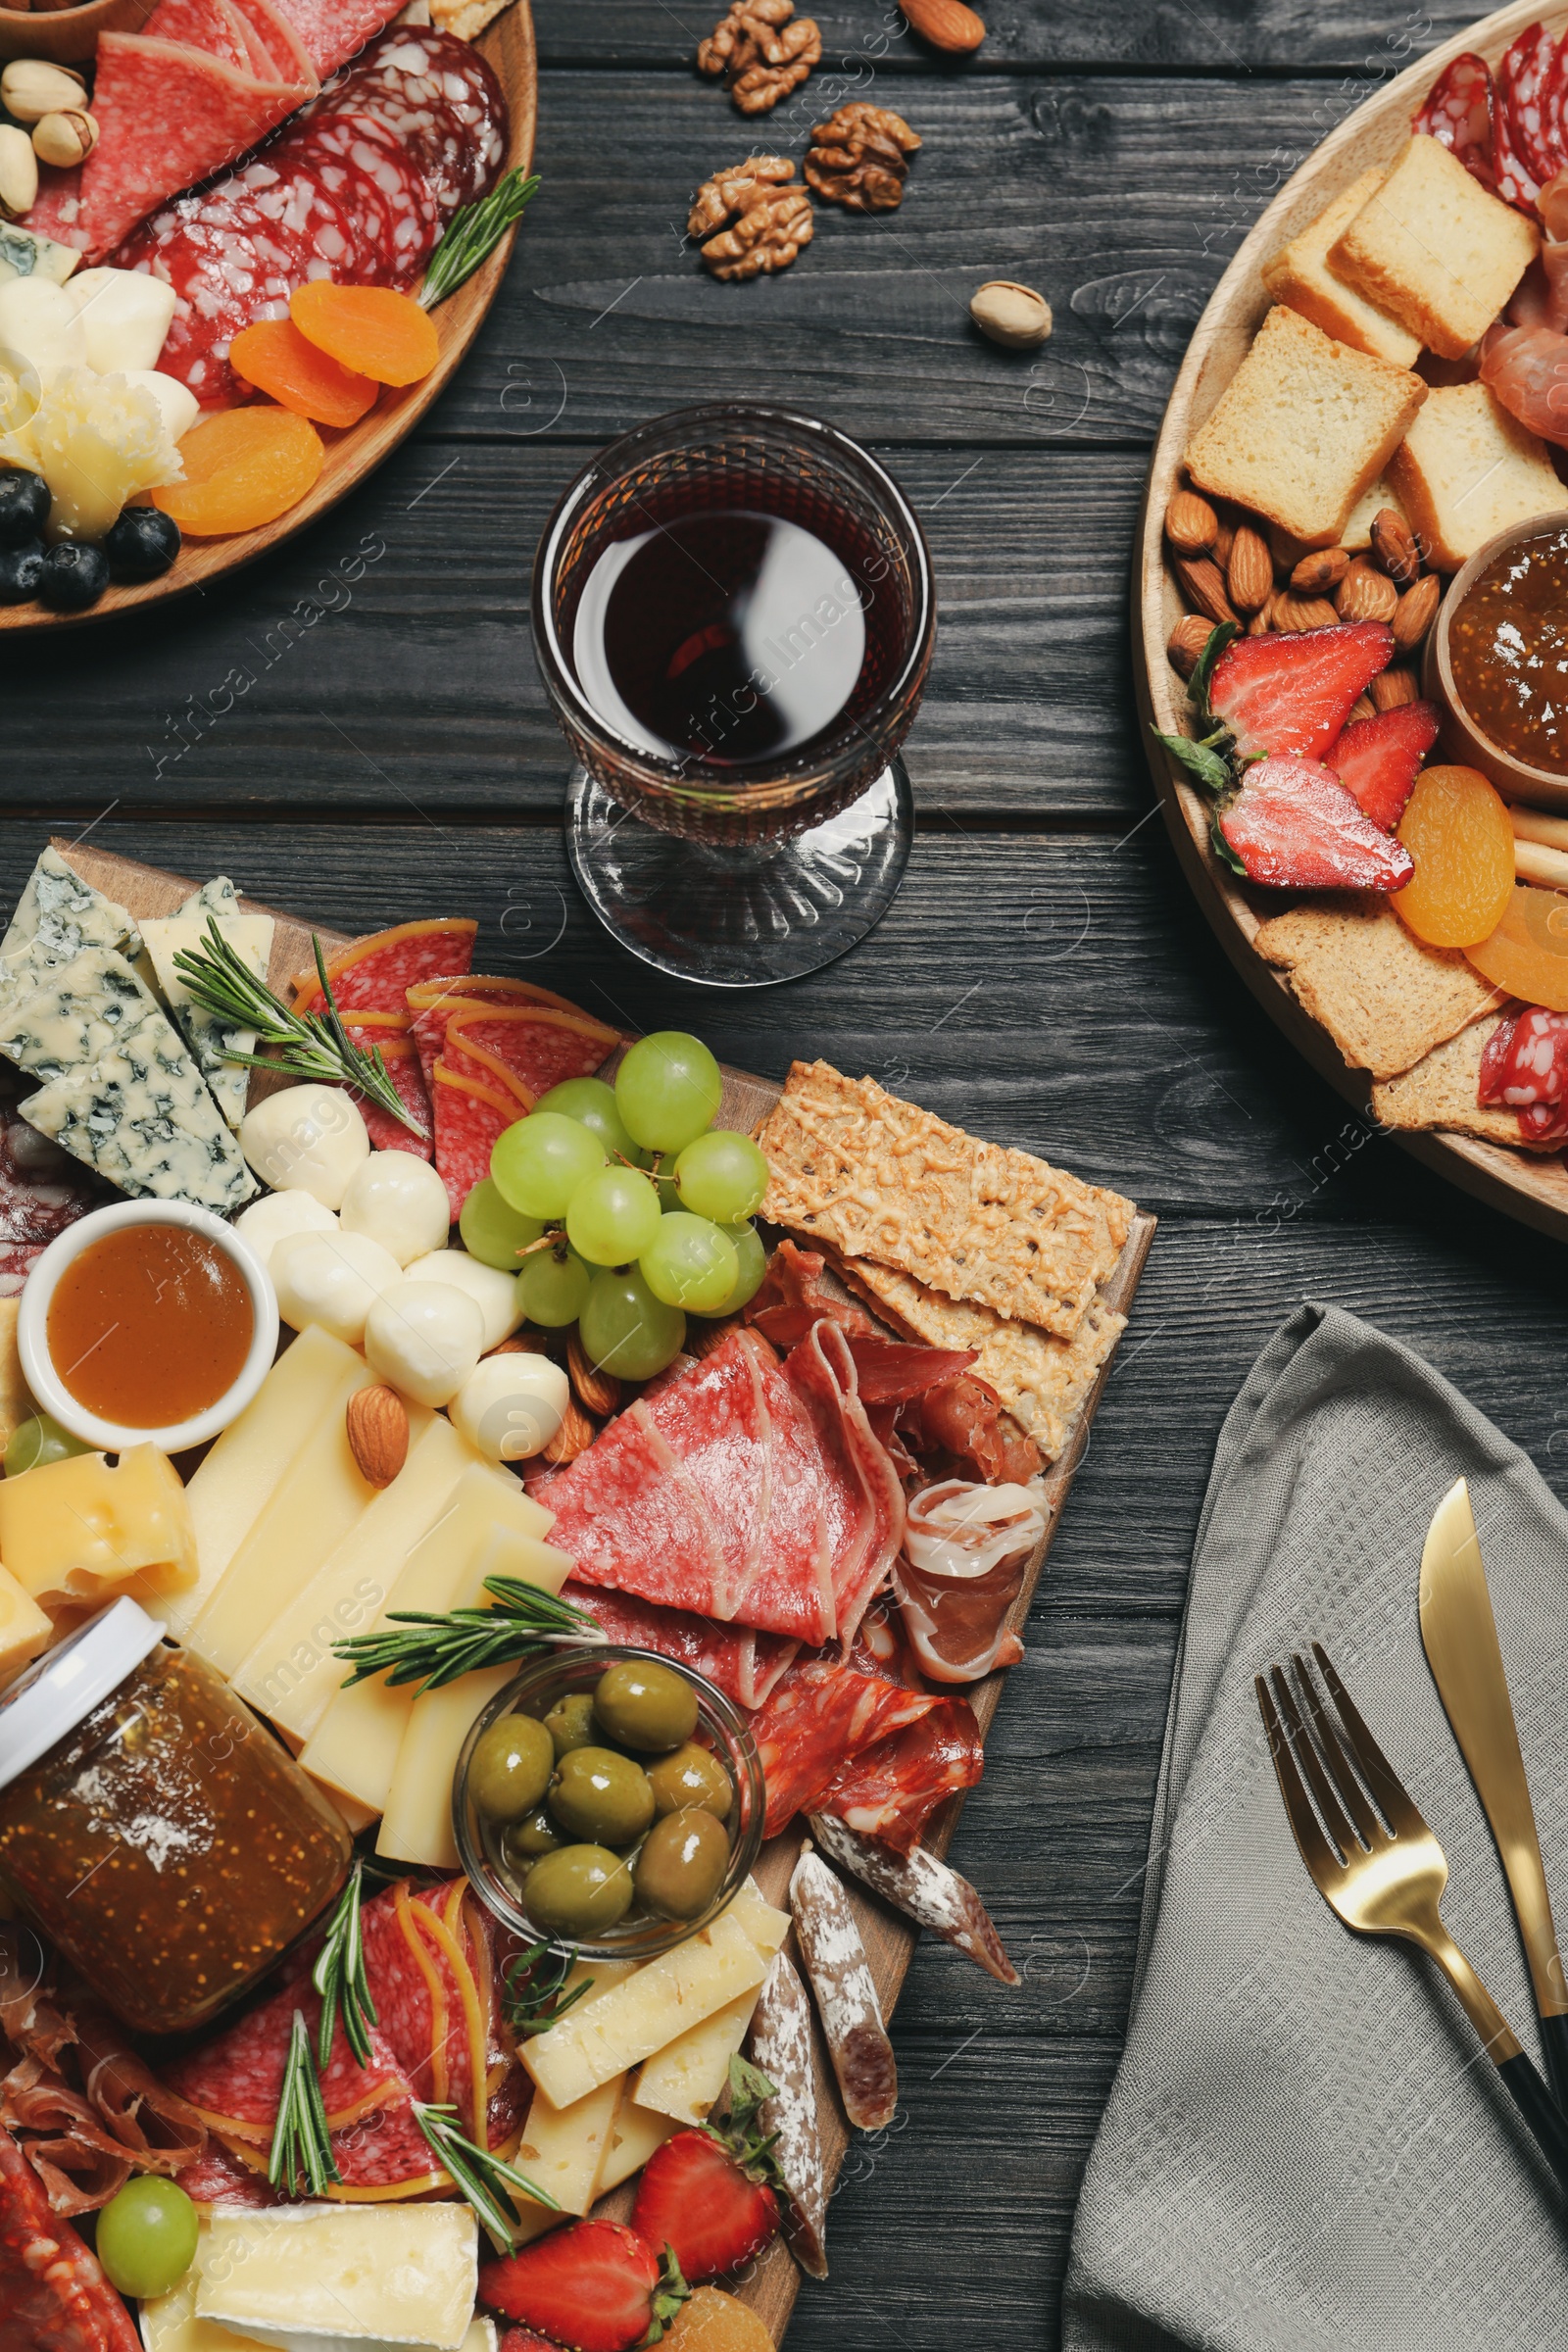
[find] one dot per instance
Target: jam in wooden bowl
(1498, 661)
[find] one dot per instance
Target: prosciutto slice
(53, 2295)
(1527, 367)
(744, 1664)
(864, 1483)
(965, 1550)
(82, 2165)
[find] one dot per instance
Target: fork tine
(1321, 1860)
(1400, 1809)
(1335, 1745)
(1308, 1761)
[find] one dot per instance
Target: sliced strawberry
(1292, 825)
(1294, 693)
(697, 2199)
(523, 2339)
(1377, 760)
(595, 2288)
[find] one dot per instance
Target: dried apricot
(1456, 828)
(243, 468)
(713, 2322)
(373, 329)
(1527, 953)
(275, 357)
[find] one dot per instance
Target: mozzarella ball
(39, 320)
(125, 314)
(176, 403)
(511, 1406)
(494, 1293)
(333, 1279)
(399, 1202)
(278, 1215)
(423, 1339)
(306, 1138)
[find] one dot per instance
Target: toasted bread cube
(1468, 470)
(1304, 426)
(1299, 276)
(1433, 248)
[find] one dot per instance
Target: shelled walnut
(747, 221)
(860, 157)
(765, 51)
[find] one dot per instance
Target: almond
(1365, 594)
(1363, 707)
(599, 1392)
(1394, 546)
(1395, 686)
(1303, 612)
(1321, 571)
(575, 1436)
(1262, 619)
(1250, 573)
(702, 1337)
(1221, 549)
(1204, 587)
(377, 1424)
(1416, 611)
(946, 25)
(1186, 641)
(1191, 524)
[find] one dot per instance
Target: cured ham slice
(793, 1295)
(744, 1664)
(819, 1716)
(965, 1550)
(53, 2295)
(863, 1481)
(1527, 367)
(80, 2164)
(889, 1792)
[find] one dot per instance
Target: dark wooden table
(356, 729)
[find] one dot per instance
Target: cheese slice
(481, 2337)
(685, 2077)
(371, 2274)
(142, 1116)
(416, 1825)
(765, 1927)
(212, 1037)
(168, 2324)
(634, 2136)
(64, 915)
(290, 1672)
(665, 1999)
(25, 1629)
(564, 2148)
(83, 1530)
(355, 1746)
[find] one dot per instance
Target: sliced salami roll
(1528, 72)
(1459, 114)
(439, 97)
(781, 2047)
(1516, 183)
(927, 1889)
(394, 203)
(846, 1998)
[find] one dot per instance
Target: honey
(150, 1324)
(1508, 649)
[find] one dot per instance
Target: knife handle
(1554, 2047)
(1548, 2126)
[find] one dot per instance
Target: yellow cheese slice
(168, 2324)
(25, 1629)
(666, 1998)
(633, 2136)
(765, 1927)
(289, 1672)
(685, 2077)
(416, 1825)
(82, 1531)
(564, 2148)
(311, 1382)
(385, 2274)
(355, 1746)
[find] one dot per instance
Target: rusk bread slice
(1433, 248)
(1303, 427)
(1467, 469)
(1441, 1092)
(852, 1166)
(1356, 535)
(1299, 276)
(1384, 997)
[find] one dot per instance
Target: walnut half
(747, 221)
(762, 53)
(860, 158)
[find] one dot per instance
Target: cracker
(1441, 1092)
(1384, 997)
(871, 1176)
(468, 18)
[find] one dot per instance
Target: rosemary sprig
(339, 1977)
(479, 2173)
(534, 1990)
(312, 1047)
(472, 235)
(301, 2149)
(437, 1650)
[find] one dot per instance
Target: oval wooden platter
(1535, 1191)
(351, 455)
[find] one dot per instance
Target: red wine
(735, 637)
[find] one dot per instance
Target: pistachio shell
(65, 139)
(30, 88)
(1011, 315)
(18, 172)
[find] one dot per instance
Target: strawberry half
(1293, 694)
(523, 2339)
(1294, 825)
(595, 2288)
(1378, 760)
(698, 2200)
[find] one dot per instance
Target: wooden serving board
(1533, 1188)
(353, 453)
(890, 1937)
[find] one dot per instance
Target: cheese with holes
(87, 1530)
(684, 2080)
(211, 1039)
(143, 1117)
(372, 2274)
(290, 1673)
(25, 1629)
(666, 1998)
(634, 2136)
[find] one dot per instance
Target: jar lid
(64, 1686)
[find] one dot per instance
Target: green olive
(601, 1795)
(509, 1769)
(651, 1708)
(682, 1864)
(529, 1839)
(570, 1722)
(578, 1891)
(692, 1776)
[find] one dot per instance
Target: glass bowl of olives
(609, 1800)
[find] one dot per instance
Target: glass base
(742, 917)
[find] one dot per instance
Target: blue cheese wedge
(212, 1039)
(142, 1115)
(77, 1012)
(25, 252)
(59, 915)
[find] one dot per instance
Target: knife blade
(1459, 1634)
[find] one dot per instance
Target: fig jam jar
(151, 1826)
(1508, 650)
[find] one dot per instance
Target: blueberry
(24, 507)
(143, 544)
(20, 569)
(73, 575)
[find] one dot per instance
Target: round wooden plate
(1533, 1189)
(352, 454)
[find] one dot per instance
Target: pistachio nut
(1010, 314)
(65, 138)
(30, 87)
(18, 172)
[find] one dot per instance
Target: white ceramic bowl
(49, 1391)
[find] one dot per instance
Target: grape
(625, 1330)
(592, 1103)
(39, 1438)
(147, 2237)
(613, 1217)
(752, 1260)
(691, 1263)
(553, 1287)
(722, 1176)
(539, 1163)
(492, 1232)
(667, 1089)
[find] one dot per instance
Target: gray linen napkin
(1304, 2147)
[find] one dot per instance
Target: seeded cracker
(1441, 1092)
(1384, 997)
(877, 1177)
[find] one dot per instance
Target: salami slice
(1458, 113)
(211, 26)
(41, 1192)
(890, 1790)
(331, 30)
(781, 2047)
(821, 1715)
(922, 1887)
(1516, 184)
(376, 973)
(218, 2180)
(1533, 1067)
(745, 1665)
(529, 1048)
(53, 2295)
(1527, 77)
(467, 1117)
(378, 1032)
(394, 205)
(434, 1003)
(439, 98)
(835, 1961)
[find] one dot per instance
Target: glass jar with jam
(152, 1826)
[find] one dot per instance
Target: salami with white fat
(927, 1889)
(780, 2046)
(846, 1998)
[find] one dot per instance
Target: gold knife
(1460, 1636)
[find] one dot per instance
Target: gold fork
(1377, 1865)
